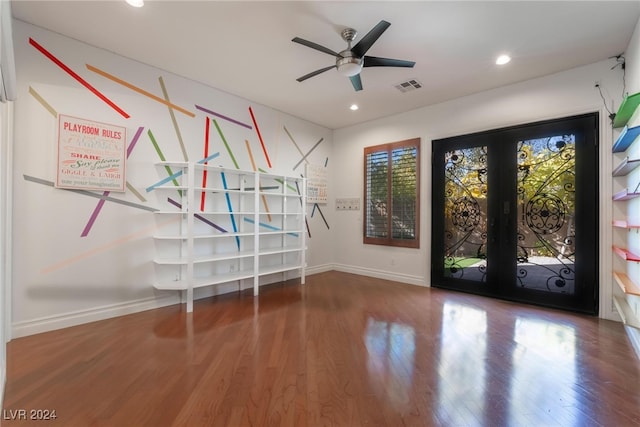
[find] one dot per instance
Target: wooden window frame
(389, 240)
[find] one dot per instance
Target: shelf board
(626, 166)
(628, 317)
(174, 164)
(622, 223)
(280, 268)
(247, 213)
(627, 286)
(625, 139)
(218, 279)
(624, 195)
(174, 285)
(626, 110)
(222, 256)
(625, 254)
(292, 195)
(229, 234)
(205, 258)
(170, 212)
(171, 187)
(276, 251)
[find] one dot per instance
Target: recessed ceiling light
(353, 107)
(135, 3)
(503, 59)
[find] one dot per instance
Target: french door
(515, 213)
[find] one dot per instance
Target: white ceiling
(244, 48)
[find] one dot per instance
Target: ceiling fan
(350, 61)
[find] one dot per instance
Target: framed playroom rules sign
(91, 155)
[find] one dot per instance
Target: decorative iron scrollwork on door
(465, 228)
(546, 207)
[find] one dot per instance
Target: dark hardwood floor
(342, 350)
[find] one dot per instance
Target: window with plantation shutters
(391, 194)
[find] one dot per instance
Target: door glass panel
(546, 212)
(465, 222)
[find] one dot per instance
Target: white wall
(6, 129)
(562, 94)
(5, 239)
(632, 55)
(61, 278)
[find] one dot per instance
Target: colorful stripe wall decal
(135, 192)
(268, 226)
(233, 220)
(281, 181)
(44, 103)
(198, 216)
(322, 215)
(98, 208)
(165, 94)
(308, 152)
(295, 144)
(114, 243)
(138, 90)
(264, 149)
(229, 119)
(224, 140)
(253, 165)
(79, 79)
(178, 174)
(206, 154)
(162, 158)
(90, 194)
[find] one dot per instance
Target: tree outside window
(391, 194)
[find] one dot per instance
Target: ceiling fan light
(349, 66)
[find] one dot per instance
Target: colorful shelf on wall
(625, 254)
(626, 110)
(624, 195)
(622, 223)
(626, 138)
(626, 166)
(627, 286)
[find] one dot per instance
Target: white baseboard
(46, 324)
(320, 269)
(381, 274)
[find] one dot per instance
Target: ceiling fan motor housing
(348, 64)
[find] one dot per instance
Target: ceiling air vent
(408, 86)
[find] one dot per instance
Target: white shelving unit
(231, 226)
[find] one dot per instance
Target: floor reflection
(461, 365)
(391, 351)
(487, 378)
(543, 372)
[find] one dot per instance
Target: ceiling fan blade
(372, 61)
(356, 82)
(367, 41)
(315, 46)
(315, 73)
